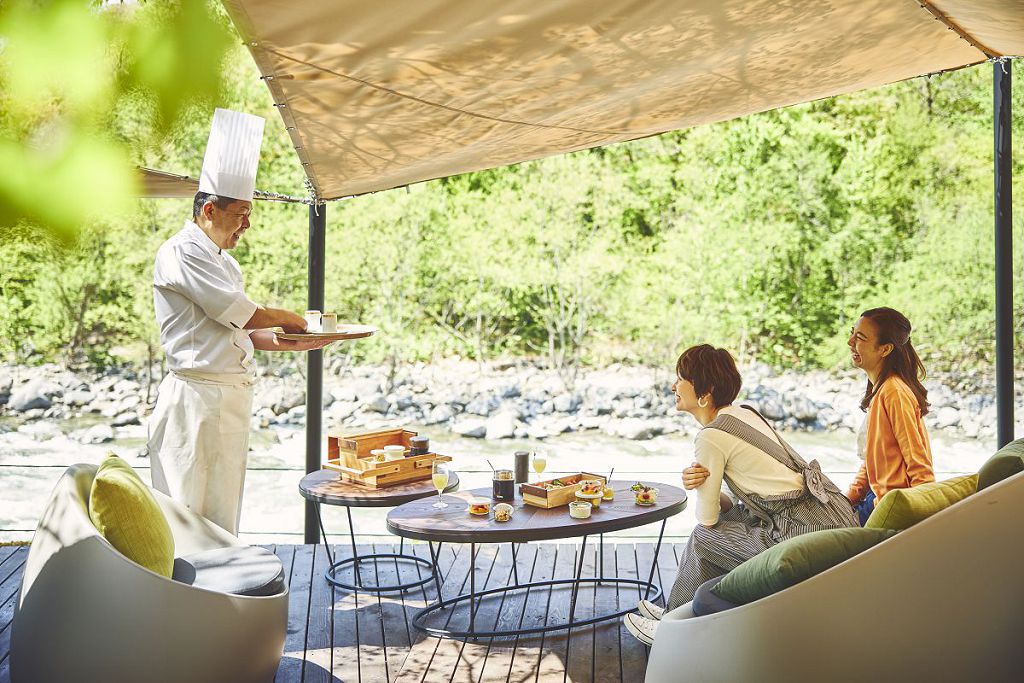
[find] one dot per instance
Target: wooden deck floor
(335, 635)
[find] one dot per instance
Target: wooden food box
(535, 494)
(350, 455)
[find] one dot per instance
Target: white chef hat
(232, 155)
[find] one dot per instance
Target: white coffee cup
(329, 322)
(313, 321)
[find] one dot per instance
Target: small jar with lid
(419, 445)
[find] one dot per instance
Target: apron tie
(814, 481)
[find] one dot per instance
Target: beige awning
(164, 185)
(377, 95)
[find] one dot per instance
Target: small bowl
(394, 452)
(378, 455)
(579, 509)
(479, 506)
(503, 512)
(593, 498)
(648, 497)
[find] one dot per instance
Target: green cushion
(795, 560)
(1009, 460)
(124, 510)
(903, 508)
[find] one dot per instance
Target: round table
(454, 524)
(325, 487)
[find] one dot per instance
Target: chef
(209, 328)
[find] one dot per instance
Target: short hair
(203, 197)
(711, 371)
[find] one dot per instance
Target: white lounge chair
(88, 614)
(940, 601)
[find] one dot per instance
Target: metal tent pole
(1002, 124)
(315, 360)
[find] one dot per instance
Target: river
(273, 510)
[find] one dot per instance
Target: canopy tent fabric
(163, 185)
(380, 95)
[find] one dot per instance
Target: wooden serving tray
(349, 454)
(344, 332)
(534, 494)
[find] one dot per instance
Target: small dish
(379, 455)
(480, 506)
(579, 509)
(394, 452)
(503, 512)
(593, 498)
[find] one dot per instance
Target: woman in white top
(780, 495)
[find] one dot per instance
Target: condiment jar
(579, 509)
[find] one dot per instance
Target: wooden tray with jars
(350, 455)
(556, 492)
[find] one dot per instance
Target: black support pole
(315, 360)
(1004, 253)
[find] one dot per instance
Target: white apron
(199, 442)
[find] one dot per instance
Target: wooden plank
(373, 653)
(474, 652)
(554, 647)
(420, 665)
(526, 656)
(580, 641)
(607, 668)
(395, 637)
(501, 651)
(448, 663)
(318, 665)
(417, 662)
(345, 634)
(9, 588)
(632, 653)
(300, 561)
(7, 551)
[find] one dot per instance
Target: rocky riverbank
(501, 400)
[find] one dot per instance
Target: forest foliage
(767, 234)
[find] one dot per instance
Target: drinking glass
(540, 462)
(439, 475)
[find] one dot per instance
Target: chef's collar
(203, 238)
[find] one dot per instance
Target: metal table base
(330, 575)
(473, 597)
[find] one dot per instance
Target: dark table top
(454, 524)
(327, 487)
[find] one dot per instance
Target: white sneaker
(641, 628)
(649, 610)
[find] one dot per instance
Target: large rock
(97, 434)
(471, 427)
(483, 405)
(634, 428)
(947, 416)
(378, 404)
(439, 414)
(280, 398)
(79, 397)
(129, 417)
(33, 395)
(501, 425)
(566, 403)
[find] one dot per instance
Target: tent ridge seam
(438, 105)
(247, 32)
(974, 42)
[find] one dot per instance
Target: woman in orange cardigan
(893, 442)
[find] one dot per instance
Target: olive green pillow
(124, 510)
(795, 560)
(1008, 461)
(903, 508)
